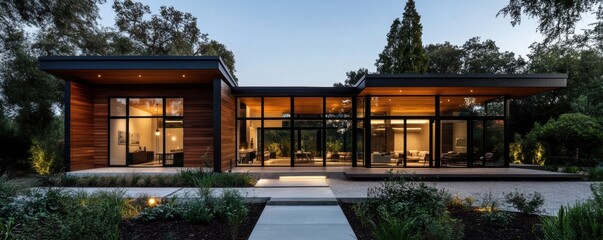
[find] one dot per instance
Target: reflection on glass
(402, 106)
(417, 143)
(339, 107)
(249, 136)
(117, 142)
(387, 142)
(277, 139)
(174, 106)
(146, 107)
(308, 107)
(250, 107)
(471, 106)
(339, 142)
(478, 143)
(118, 107)
(278, 107)
(494, 148)
(360, 107)
(453, 143)
(308, 147)
(360, 143)
(174, 144)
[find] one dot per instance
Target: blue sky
(314, 42)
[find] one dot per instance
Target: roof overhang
(137, 69)
(294, 91)
(512, 85)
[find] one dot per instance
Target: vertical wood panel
(227, 124)
(81, 124)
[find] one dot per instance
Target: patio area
(360, 173)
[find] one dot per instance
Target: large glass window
(277, 139)
(418, 150)
(360, 104)
(250, 142)
(339, 142)
(250, 107)
(145, 136)
(494, 144)
(308, 107)
(146, 107)
(453, 145)
(277, 107)
(471, 106)
(339, 107)
(402, 106)
(360, 142)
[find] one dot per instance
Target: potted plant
(334, 147)
(274, 149)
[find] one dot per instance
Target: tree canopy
(404, 52)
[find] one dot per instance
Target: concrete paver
(302, 222)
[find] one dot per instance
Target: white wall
(117, 156)
(459, 130)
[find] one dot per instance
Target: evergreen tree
(404, 52)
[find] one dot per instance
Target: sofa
(382, 157)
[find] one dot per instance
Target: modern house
(189, 111)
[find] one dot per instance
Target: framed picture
(461, 142)
(134, 138)
(121, 138)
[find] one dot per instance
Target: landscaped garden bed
(521, 226)
(56, 213)
(181, 229)
(184, 178)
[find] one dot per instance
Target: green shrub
(232, 208)
(47, 150)
(394, 228)
(491, 213)
(529, 204)
(458, 202)
(197, 211)
(572, 169)
(595, 174)
(164, 211)
(409, 200)
(580, 221)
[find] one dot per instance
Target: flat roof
(137, 69)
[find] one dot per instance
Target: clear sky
(314, 42)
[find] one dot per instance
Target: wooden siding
(198, 115)
(227, 136)
(80, 130)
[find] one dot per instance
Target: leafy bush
(202, 178)
(47, 150)
(403, 200)
(491, 212)
(458, 202)
(232, 208)
(595, 174)
(529, 204)
(394, 228)
(199, 210)
(580, 221)
(165, 211)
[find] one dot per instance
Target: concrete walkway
(299, 213)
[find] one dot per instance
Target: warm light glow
(448, 100)
(183, 75)
(173, 121)
(157, 132)
(99, 75)
(173, 138)
(416, 121)
(139, 75)
(471, 90)
(152, 202)
(301, 177)
(399, 90)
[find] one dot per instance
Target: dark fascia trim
(137, 63)
(294, 91)
(462, 80)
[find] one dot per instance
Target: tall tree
(352, 77)
(404, 52)
(444, 58)
(485, 57)
(171, 32)
(556, 18)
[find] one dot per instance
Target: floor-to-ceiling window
(146, 132)
(401, 131)
(472, 131)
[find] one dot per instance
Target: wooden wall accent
(227, 136)
(198, 115)
(81, 136)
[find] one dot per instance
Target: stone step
(302, 201)
(293, 181)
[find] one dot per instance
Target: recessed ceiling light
(440, 101)
(399, 90)
(98, 75)
(183, 75)
(448, 100)
(471, 90)
(139, 75)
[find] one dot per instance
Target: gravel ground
(555, 193)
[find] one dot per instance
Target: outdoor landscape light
(152, 202)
